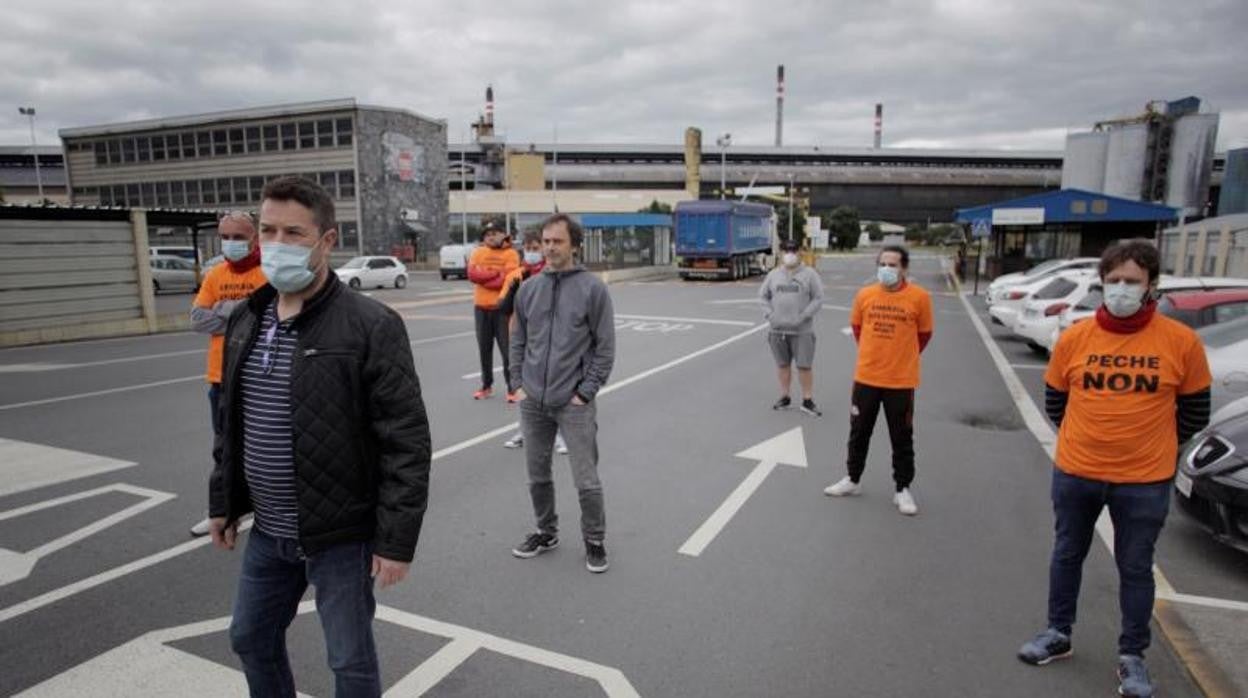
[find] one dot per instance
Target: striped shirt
(268, 437)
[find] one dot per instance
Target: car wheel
(400, 281)
(443, 275)
(354, 283)
(1037, 348)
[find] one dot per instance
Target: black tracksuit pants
(491, 330)
(899, 413)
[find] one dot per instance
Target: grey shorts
(792, 348)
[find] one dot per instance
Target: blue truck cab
(722, 238)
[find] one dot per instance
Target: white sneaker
(905, 503)
(516, 441)
(844, 487)
(201, 528)
(561, 447)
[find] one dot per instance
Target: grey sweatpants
(579, 426)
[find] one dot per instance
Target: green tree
(656, 206)
(914, 233)
(843, 228)
(782, 221)
(874, 230)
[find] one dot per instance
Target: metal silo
(1083, 164)
(1191, 162)
(1125, 160)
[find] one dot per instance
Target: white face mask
(789, 259)
(1123, 299)
(889, 276)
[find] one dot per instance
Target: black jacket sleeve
(507, 304)
(400, 427)
(1192, 413)
(1055, 404)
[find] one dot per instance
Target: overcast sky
(951, 73)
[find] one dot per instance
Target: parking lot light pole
(723, 142)
(34, 147)
(790, 206)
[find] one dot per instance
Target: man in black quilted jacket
(326, 440)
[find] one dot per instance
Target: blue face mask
(532, 258)
(1123, 299)
(235, 250)
(889, 276)
(286, 266)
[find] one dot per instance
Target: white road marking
(836, 307)
(788, 448)
(847, 331)
(431, 340)
(737, 301)
(149, 665)
(444, 292)
(26, 368)
(694, 320)
(94, 393)
(1043, 433)
(27, 466)
(470, 376)
(117, 572)
(1030, 367)
(15, 566)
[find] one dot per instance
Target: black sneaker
(535, 544)
(596, 557)
(782, 404)
(808, 406)
(1043, 648)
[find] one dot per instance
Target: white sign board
(819, 240)
(1018, 216)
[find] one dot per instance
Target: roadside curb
(1187, 647)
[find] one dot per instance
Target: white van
(453, 260)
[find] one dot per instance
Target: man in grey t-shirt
(792, 295)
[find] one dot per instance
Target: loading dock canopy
(1066, 206)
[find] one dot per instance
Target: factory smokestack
(879, 123)
(780, 105)
(489, 105)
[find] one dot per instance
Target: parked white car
(453, 260)
(171, 273)
(1037, 321)
(999, 286)
(373, 272)
(1226, 346)
(1086, 306)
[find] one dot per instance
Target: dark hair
(1141, 252)
(575, 231)
(532, 235)
(306, 192)
(492, 225)
(905, 254)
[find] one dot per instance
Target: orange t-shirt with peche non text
(888, 346)
(1120, 424)
(224, 284)
(504, 260)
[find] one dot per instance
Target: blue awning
(1075, 206)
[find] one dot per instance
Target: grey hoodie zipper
(550, 338)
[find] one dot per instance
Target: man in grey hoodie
(792, 295)
(562, 351)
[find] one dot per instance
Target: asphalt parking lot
(106, 447)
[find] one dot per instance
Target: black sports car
(1212, 480)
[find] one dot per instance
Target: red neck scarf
(1126, 325)
(532, 269)
(251, 261)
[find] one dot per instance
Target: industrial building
(385, 167)
(21, 182)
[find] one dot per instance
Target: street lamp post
(723, 142)
(34, 147)
(790, 206)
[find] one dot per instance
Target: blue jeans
(214, 403)
(1138, 512)
(274, 576)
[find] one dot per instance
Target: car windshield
(1224, 333)
(1043, 267)
(1057, 288)
(355, 263)
(1092, 301)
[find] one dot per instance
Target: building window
(132, 195)
(325, 134)
(240, 191)
(346, 184)
(127, 150)
(236, 142)
(188, 145)
(344, 132)
(220, 146)
(101, 152)
(162, 194)
(1100, 206)
(307, 134)
(148, 196)
(257, 186)
(328, 182)
(208, 192)
(177, 193)
(192, 193)
(1078, 206)
(349, 235)
(253, 139)
(203, 144)
(143, 146)
(270, 138)
(158, 147)
(106, 196)
(224, 197)
(114, 152)
(288, 137)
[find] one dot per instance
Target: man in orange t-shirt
(223, 288)
(892, 323)
(1125, 389)
(488, 268)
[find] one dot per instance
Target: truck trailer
(722, 239)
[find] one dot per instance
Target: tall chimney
(489, 105)
(780, 105)
(879, 123)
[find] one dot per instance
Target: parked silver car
(171, 273)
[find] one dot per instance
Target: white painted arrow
(788, 448)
